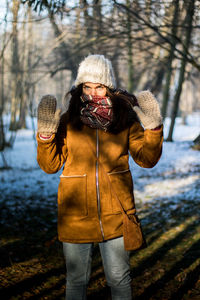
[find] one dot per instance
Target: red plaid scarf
(96, 111)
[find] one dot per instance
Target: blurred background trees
(152, 44)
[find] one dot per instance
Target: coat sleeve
(145, 146)
(52, 153)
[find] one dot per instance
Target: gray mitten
(148, 111)
(48, 116)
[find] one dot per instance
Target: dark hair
(123, 114)
(74, 106)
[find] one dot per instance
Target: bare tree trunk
(78, 23)
(64, 47)
(115, 63)
(2, 96)
(188, 24)
(87, 18)
(23, 75)
(15, 67)
(97, 17)
(170, 59)
(130, 50)
(196, 145)
(158, 80)
(97, 24)
(29, 86)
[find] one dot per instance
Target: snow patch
(176, 176)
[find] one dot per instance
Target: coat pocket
(72, 195)
(121, 185)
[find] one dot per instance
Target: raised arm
(145, 144)
(51, 136)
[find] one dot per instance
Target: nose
(93, 92)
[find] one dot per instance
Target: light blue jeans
(116, 267)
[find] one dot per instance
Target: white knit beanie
(96, 69)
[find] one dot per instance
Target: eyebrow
(85, 85)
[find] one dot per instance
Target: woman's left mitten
(148, 110)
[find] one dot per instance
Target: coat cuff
(157, 128)
(44, 138)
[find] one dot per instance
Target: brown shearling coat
(87, 208)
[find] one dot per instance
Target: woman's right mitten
(48, 117)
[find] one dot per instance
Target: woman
(93, 140)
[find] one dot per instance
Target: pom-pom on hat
(96, 69)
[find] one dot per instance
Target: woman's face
(94, 89)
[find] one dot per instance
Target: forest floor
(167, 201)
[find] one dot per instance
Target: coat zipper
(97, 184)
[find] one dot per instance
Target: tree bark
(97, 25)
(15, 66)
(64, 47)
(23, 75)
(87, 19)
(130, 50)
(97, 16)
(196, 145)
(2, 95)
(188, 23)
(170, 60)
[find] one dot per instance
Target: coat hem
(78, 241)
